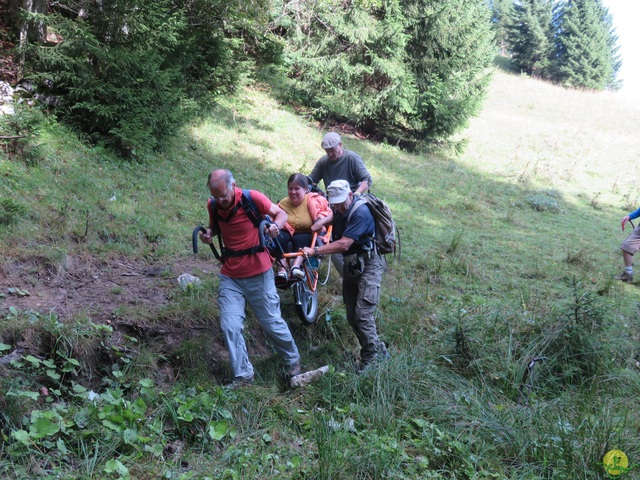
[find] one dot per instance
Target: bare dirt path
(82, 286)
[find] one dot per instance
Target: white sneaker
(297, 272)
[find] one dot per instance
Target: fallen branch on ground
(307, 377)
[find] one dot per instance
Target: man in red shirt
(247, 277)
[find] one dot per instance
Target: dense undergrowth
(513, 350)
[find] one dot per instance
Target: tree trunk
(35, 30)
(27, 30)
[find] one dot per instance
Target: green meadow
(514, 350)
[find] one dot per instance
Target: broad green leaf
(156, 450)
(130, 436)
(187, 417)
(42, 427)
(49, 363)
(22, 436)
(24, 393)
(112, 425)
(70, 365)
(146, 382)
(217, 430)
(62, 448)
(116, 466)
(77, 388)
(32, 360)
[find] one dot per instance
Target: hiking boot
(625, 276)
(294, 369)
(374, 360)
(240, 382)
(366, 365)
(383, 354)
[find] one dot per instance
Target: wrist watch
(357, 194)
(315, 251)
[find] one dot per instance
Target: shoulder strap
(213, 214)
(358, 202)
(250, 208)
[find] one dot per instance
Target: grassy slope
(491, 242)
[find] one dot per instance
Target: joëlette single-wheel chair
(305, 290)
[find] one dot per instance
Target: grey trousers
(361, 296)
(260, 292)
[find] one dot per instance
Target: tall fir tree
(502, 12)
(348, 61)
(586, 46)
(404, 68)
(450, 51)
(530, 36)
(130, 72)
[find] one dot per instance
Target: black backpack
(385, 233)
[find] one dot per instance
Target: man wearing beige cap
(340, 164)
(363, 268)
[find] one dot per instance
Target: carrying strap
(357, 203)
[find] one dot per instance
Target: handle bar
(299, 253)
(194, 242)
(267, 242)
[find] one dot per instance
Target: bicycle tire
(306, 302)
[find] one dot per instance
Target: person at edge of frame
(629, 247)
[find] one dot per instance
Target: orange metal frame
(311, 273)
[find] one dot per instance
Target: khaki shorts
(632, 243)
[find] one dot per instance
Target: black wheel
(306, 302)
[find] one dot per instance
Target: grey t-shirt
(349, 167)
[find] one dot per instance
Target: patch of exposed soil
(82, 286)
